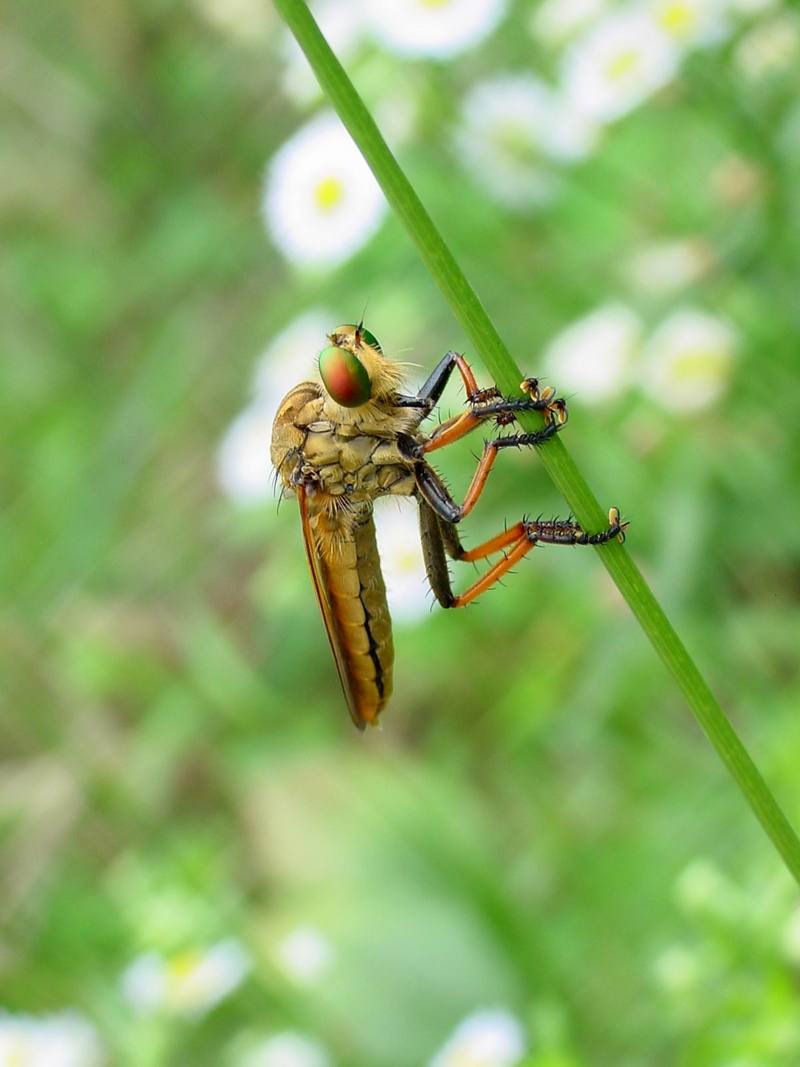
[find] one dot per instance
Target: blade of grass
(469, 311)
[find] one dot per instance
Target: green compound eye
(344, 377)
(371, 340)
(366, 336)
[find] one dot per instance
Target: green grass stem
(473, 318)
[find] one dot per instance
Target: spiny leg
(484, 403)
(488, 403)
(433, 488)
(518, 540)
(431, 391)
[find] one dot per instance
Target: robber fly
(341, 444)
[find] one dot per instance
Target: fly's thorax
(379, 416)
(341, 452)
(301, 406)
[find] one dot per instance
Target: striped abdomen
(359, 626)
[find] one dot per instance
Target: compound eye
(371, 340)
(344, 376)
(350, 330)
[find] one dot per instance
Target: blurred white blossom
(488, 1038)
(555, 21)
(291, 357)
(189, 983)
(702, 888)
(321, 202)
(617, 64)
(246, 20)
(687, 362)
(304, 954)
(244, 470)
(407, 590)
(287, 1049)
(593, 357)
(511, 127)
(62, 1040)
(770, 47)
(666, 266)
(438, 28)
(691, 22)
(342, 24)
(677, 970)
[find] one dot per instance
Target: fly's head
(355, 371)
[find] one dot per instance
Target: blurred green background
(538, 859)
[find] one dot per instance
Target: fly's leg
(483, 403)
(515, 543)
(431, 391)
(431, 485)
(489, 403)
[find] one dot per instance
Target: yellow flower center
(434, 3)
(699, 365)
(328, 193)
(406, 562)
(623, 64)
(182, 965)
(464, 1057)
(17, 1057)
(678, 18)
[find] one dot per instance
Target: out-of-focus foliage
(538, 859)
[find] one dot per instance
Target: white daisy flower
(439, 28)
(691, 22)
(62, 1040)
(791, 938)
(288, 1049)
(304, 955)
(593, 356)
(770, 47)
(291, 356)
(244, 470)
(554, 22)
(666, 266)
(618, 64)
(397, 527)
(687, 362)
(489, 1038)
(321, 202)
(246, 20)
(342, 24)
(511, 127)
(189, 983)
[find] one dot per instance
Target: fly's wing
(316, 567)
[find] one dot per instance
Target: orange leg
(518, 540)
(522, 547)
(494, 544)
(524, 536)
(434, 490)
(452, 430)
(467, 377)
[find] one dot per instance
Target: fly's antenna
(360, 326)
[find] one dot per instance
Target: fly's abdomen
(358, 603)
